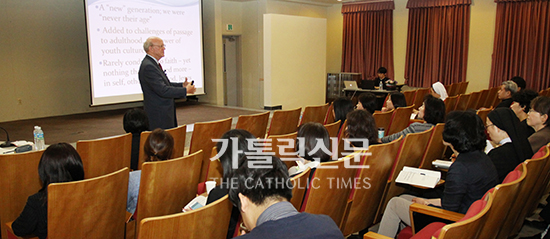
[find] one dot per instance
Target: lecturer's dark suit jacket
(158, 95)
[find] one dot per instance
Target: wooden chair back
(468, 228)
(106, 155)
(454, 89)
(399, 120)
(482, 98)
(333, 128)
(491, 97)
(383, 119)
(329, 118)
(450, 103)
(463, 87)
(342, 141)
(201, 139)
(517, 213)
(462, 103)
(435, 148)
(474, 100)
(448, 89)
(167, 186)
(299, 183)
(409, 97)
(483, 114)
(19, 180)
(503, 197)
(215, 170)
(410, 154)
(361, 209)
(210, 221)
(178, 133)
(541, 184)
(323, 195)
(284, 148)
(314, 114)
(284, 121)
(90, 208)
(419, 97)
(255, 124)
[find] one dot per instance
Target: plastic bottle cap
(37, 127)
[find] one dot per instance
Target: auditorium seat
(178, 133)
(201, 139)
(256, 124)
(284, 121)
(105, 155)
(314, 114)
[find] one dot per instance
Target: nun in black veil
(505, 130)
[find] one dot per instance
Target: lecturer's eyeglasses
(161, 46)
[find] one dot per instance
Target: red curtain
(522, 43)
(367, 42)
(437, 41)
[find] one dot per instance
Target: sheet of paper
(419, 177)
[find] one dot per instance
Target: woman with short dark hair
(360, 128)
(158, 147)
(311, 136)
(468, 178)
(395, 100)
(59, 163)
(521, 104)
(432, 111)
(340, 109)
(135, 121)
(538, 119)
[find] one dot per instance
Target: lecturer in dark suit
(158, 92)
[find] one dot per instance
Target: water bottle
(381, 85)
(38, 138)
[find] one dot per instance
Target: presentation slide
(117, 30)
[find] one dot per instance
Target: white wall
(294, 60)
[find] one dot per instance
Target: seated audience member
(158, 147)
(396, 100)
(311, 136)
(438, 91)
(340, 109)
(508, 134)
(538, 119)
(230, 159)
(387, 83)
(521, 104)
(432, 112)
(468, 178)
(59, 163)
(262, 195)
(361, 129)
(507, 89)
(520, 82)
(367, 101)
(135, 121)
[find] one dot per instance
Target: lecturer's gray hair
(510, 86)
(148, 43)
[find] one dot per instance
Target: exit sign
(229, 27)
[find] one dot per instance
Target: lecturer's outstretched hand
(190, 88)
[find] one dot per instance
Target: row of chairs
(355, 208)
(103, 156)
(500, 214)
(457, 88)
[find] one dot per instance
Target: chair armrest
(374, 235)
(435, 212)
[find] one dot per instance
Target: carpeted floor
(95, 125)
